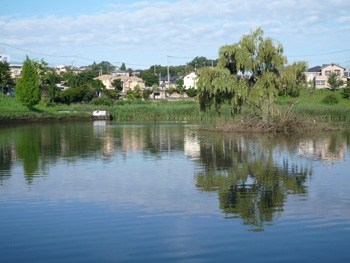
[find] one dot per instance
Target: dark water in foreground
(166, 192)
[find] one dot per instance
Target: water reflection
(252, 175)
(252, 183)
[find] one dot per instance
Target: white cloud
(180, 25)
(343, 20)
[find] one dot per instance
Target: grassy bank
(313, 106)
(10, 108)
(308, 113)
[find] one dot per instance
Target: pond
(167, 192)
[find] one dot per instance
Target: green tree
(293, 79)
(97, 84)
(334, 81)
(180, 86)
(5, 76)
(149, 78)
(123, 67)
(248, 74)
(146, 93)
(117, 84)
(42, 69)
(28, 89)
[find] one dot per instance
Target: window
(328, 72)
(337, 72)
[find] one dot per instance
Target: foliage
(113, 94)
(97, 84)
(334, 81)
(149, 78)
(5, 75)
(293, 79)
(102, 101)
(117, 84)
(155, 87)
(199, 62)
(311, 88)
(346, 93)
(123, 67)
(133, 95)
(180, 86)
(171, 91)
(248, 74)
(105, 66)
(191, 92)
(330, 99)
(146, 93)
(83, 93)
(28, 89)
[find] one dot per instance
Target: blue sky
(144, 33)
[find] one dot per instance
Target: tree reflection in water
(251, 184)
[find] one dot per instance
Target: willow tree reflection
(252, 183)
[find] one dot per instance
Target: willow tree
(248, 74)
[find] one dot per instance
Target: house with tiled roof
(128, 83)
(321, 80)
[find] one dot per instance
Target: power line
(322, 54)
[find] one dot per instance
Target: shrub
(146, 93)
(170, 91)
(191, 92)
(346, 93)
(102, 101)
(330, 99)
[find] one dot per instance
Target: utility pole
(72, 62)
(154, 69)
(168, 72)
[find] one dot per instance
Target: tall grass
(307, 106)
(154, 111)
(313, 106)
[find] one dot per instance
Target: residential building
(107, 80)
(128, 83)
(163, 82)
(312, 73)
(16, 70)
(326, 70)
(190, 80)
(119, 72)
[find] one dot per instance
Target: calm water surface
(166, 192)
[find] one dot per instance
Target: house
(326, 70)
(128, 83)
(312, 73)
(163, 82)
(190, 80)
(107, 80)
(16, 70)
(119, 72)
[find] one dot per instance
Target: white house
(190, 80)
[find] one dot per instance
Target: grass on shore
(308, 105)
(305, 113)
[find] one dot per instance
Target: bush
(191, 92)
(346, 93)
(146, 93)
(102, 101)
(330, 99)
(171, 91)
